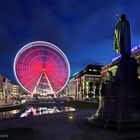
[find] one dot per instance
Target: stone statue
(119, 100)
(122, 39)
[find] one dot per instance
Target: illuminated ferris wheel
(41, 68)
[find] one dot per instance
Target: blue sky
(82, 29)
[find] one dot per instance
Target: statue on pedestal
(119, 105)
(122, 39)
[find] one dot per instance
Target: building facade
(113, 66)
(1, 86)
(85, 84)
(8, 89)
(16, 91)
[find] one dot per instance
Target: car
(23, 101)
(16, 102)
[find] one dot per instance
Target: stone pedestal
(120, 107)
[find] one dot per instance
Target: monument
(119, 102)
(122, 39)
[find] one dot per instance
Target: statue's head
(123, 17)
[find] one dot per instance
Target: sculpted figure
(122, 39)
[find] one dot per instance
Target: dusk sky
(82, 29)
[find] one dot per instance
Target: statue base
(120, 107)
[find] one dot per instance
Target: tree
(90, 92)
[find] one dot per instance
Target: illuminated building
(82, 85)
(8, 89)
(16, 91)
(1, 86)
(113, 66)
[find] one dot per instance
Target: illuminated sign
(75, 73)
(132, 50)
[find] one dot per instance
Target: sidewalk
(60, 127)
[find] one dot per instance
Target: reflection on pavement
(35, 111)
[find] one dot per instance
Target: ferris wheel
(41, 68)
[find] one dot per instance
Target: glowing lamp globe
(41, 68)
